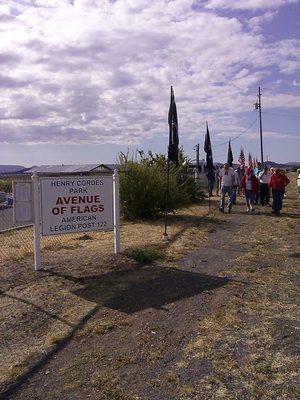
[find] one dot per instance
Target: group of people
(255, 184)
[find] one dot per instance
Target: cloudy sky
(82, 80)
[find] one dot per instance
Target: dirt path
(222, 323)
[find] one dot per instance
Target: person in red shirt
(250, 187)
(278, 183)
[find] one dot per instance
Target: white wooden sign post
(37, 222)
(116, 201)
(23, 201)
(71, 204)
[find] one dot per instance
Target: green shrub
(145, 255)
(6, 186)
(143, 185)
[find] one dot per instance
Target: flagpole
(172, 152)
(209, 162)
(209, 205)
(165, 236)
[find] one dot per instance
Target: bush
(143, 185)
(145, 255)
(6, 186)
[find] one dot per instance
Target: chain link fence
(17, 238)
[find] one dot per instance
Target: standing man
(227, 178)
(236, 185)
(278, 183)
(264, 190)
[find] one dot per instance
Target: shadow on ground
(127, 291)
(295, 255)
(140, 288)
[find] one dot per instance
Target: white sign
(22, 191)
(76, 204)
(22, 201)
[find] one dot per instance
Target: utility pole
(260, 127)
(197, 160)
(197, 156)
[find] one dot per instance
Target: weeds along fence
(16, 239)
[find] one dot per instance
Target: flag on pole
(229, 155)
(208, 151)
(249, 159)
(173, 131)
(241, 159)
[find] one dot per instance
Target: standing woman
(278, 183)
(250, 187)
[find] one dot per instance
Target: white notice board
(76, 204)
(22, 201)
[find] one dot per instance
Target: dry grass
(110, 387)
(97, 328)
(239, 339)
(38, 310)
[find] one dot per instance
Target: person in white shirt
(227, 178)
(264, 180)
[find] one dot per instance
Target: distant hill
(292, 163)
(282, 165)
(11, 169)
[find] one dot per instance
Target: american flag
(250, 160)
(241, 159)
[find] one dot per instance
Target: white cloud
(255, 23)
(247, 4)
(100, 71)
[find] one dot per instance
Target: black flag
(173, 131)
(208, 151)
(229, 155)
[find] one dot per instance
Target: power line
(237, 137)
(249, 141)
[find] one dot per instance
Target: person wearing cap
(250, 186)
(278, 183)
(264, 179)
(227, 178)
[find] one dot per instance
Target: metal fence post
(37, 222)
(116, 200)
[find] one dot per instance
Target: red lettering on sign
(87, 209)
